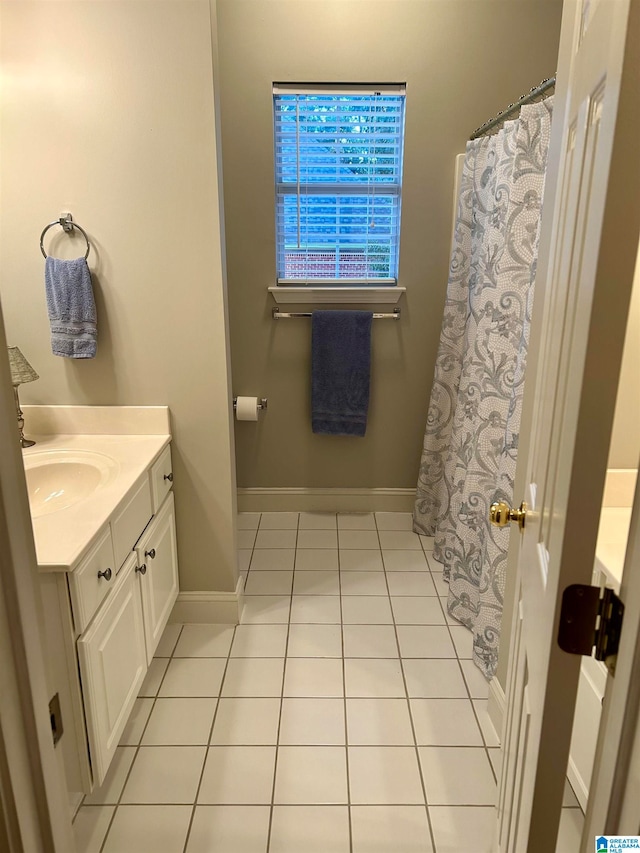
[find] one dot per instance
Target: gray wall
(108, 111)
(462, 62)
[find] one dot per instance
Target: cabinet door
(157, 551)
(112, 667)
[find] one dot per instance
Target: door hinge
(55, 715)
(591, 618)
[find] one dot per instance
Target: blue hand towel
(71, 307)
(340, 369)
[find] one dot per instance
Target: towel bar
(282, 315)
(67, 223)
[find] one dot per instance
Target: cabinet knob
(107, 574)
(142, 569)
(151, 553)
(169, 476)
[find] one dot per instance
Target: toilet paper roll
(247, 409)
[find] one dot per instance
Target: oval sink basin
(59, 479)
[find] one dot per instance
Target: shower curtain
(471, 436)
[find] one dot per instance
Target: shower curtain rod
(525, 99)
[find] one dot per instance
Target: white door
(586, 286)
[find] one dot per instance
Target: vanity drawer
(161, 478)
(87, 588)
(128, 524)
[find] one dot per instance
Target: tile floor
(344, 715)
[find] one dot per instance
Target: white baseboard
(496, 705)
(209, 607)
(325, 500)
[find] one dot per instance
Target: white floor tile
(161, 829)
(378, 722)
(363, 583)
(462, 640)
(312, 722)
(318, 521)
(461, 828)
(434, 679)
(312, 609)
(259, 641)
(457, 776)
(570, 832)
(246, 539)
(168, 640)
(356, 521)
(476, 682)
(435, 565)
(369, 641)
(246, 722)
(136, 722)
(317, 560)
(204, 641)
(111, 789)
(394, 520)
(196, 677)
(265, 609)
(273, 560)
(428, 542)
(569, 799)
(401, 540)
(311, 775)
(445, 722)
(373, 678)
(316, 583)
(248, 520)
(309, 677)
(90, 827)
(388, 776)
(279, 521)
(276, 539)
(164, 774)
(315, 641)
(317, 539)
(238, 775)
(154, 676)
(419, 610)
(405, 561)
(269, 583)
(410, 583)
(441, 585)
(291, 829)
(180, 722)
(491, 737)
(425, 641)
(237, 829)
(259, 677)
(366, 610)
(381, 829)
(354, 560)
(495, 757)
(358, 539)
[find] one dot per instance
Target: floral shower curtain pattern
(471, 436)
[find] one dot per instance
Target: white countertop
(63, 537)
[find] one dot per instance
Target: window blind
(338, 166)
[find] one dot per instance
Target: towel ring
(67, 224)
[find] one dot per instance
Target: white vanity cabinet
(104, 618)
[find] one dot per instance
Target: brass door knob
(500, 514)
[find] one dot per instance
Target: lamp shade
(21, 370)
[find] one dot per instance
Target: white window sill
(323, 295)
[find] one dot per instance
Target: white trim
(286, 295)
(333, 89)
(496, 705)
(209, 607)
(325, 500)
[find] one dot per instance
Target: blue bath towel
(71, 307)
(340, 368)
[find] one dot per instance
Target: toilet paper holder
(261, 405)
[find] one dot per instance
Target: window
(338, 164)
